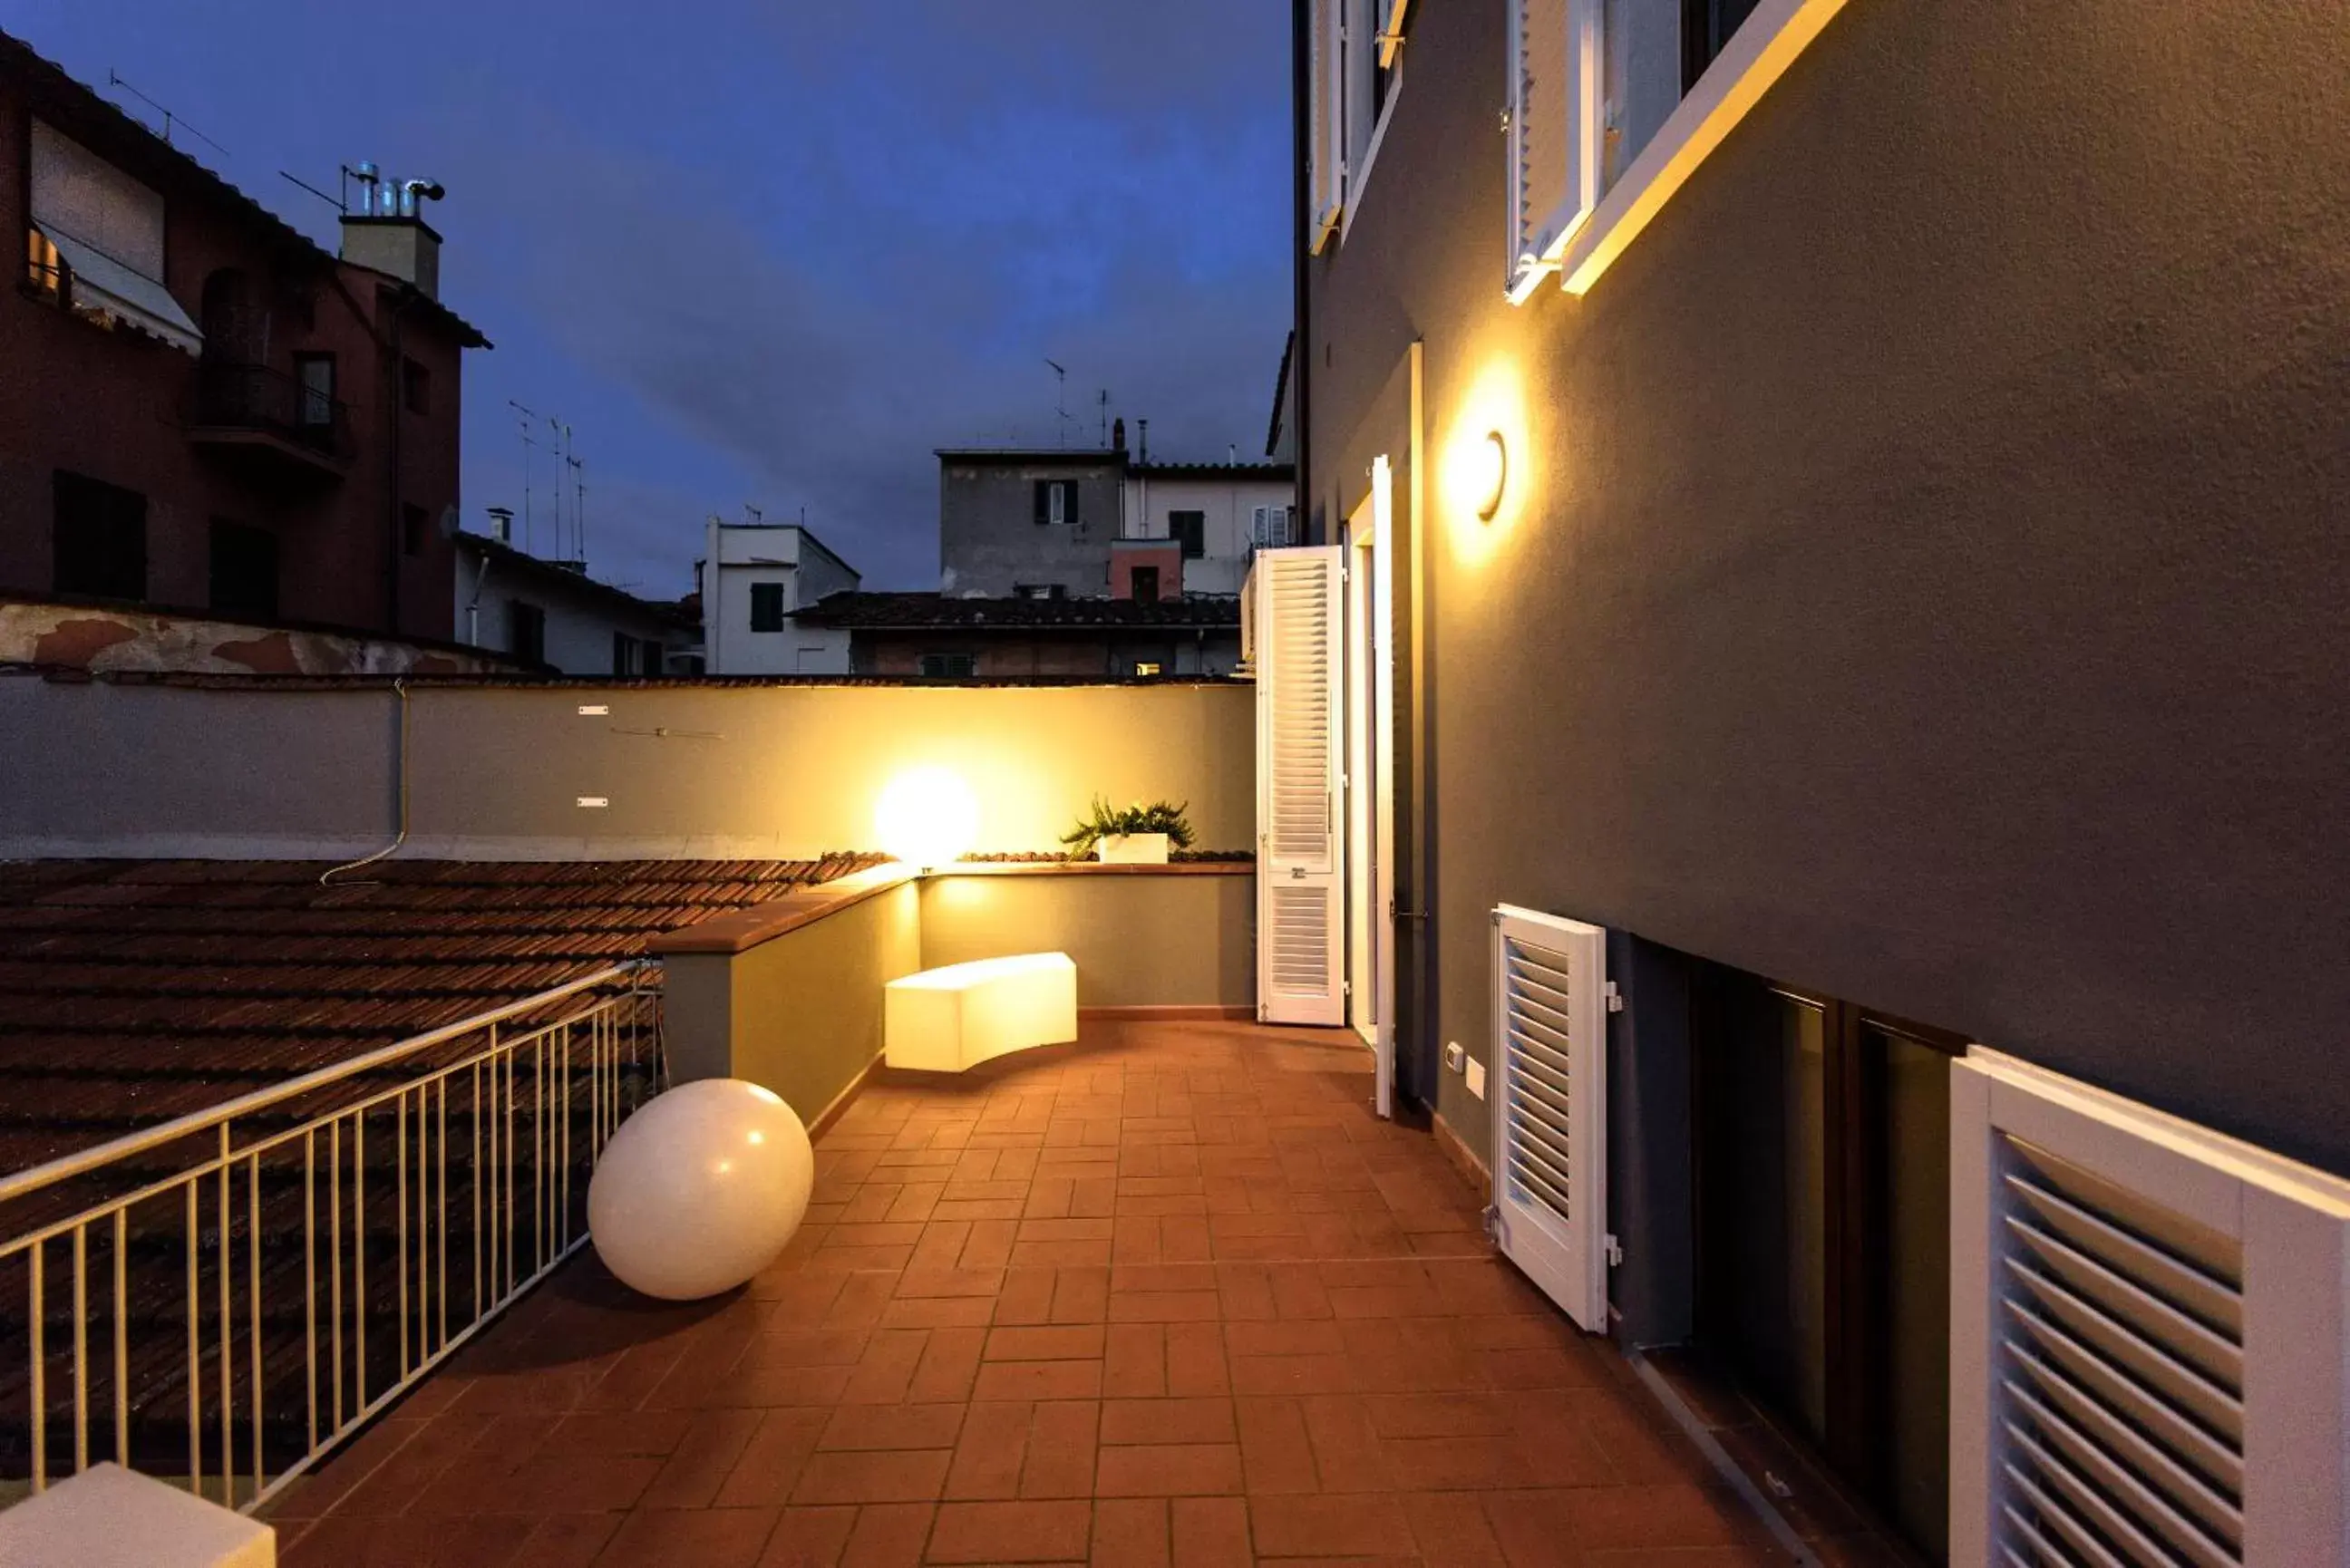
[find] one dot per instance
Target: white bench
(945, 1020)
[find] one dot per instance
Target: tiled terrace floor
(1175, 1298)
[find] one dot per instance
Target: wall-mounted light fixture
(927, 817)
(1492, 472)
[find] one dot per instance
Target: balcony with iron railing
(270, 421)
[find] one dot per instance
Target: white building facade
(755, 578)
(1221, 514)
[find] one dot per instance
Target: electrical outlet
(1476, 1077)
(1454, 1056)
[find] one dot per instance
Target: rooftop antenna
(339, 203)
(1060, 401)
(170, 121)
(753, 515)
(1104, 418)
(557, 448)
(1142, 434)
(523, 423)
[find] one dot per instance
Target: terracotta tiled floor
(1176, 1297)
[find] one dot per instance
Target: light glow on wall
(1486, 481)
(926, 816)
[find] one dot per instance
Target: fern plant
(1105, 821)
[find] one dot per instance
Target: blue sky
(775, 253)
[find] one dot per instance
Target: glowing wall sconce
(927, 817)
(1489, 470)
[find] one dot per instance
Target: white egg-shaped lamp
(700, 1189)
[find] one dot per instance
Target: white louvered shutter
(1325, 176)
(2148, 1346)
(1549, 1093)
(1557, 82)
(1299, 874)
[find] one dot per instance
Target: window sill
(1757, 54)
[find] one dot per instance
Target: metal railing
(232, 396)
(221, 1298)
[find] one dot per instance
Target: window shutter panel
(1043, 502)
(2148, 1344)
(1256, 527)
(1556, 84)
(1325, 179)
(1299, 879)
(1549, 1093)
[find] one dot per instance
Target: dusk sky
(775, 253)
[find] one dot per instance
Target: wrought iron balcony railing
(235, 397)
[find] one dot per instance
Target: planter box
(1131, 849)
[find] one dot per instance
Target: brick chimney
(385, 228)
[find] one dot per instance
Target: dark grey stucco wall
(990, 542)
(1924, 574)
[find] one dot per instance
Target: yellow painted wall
(801, 1014)
(1177, 941)
(794, 771)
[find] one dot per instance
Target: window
(1145, 668)
(414, 526)
(767, 607)
(1706, 26)
(1056, 501)
(1269, 528)
(1144, 581)
(624, 654)
(526, 631)
(314, 374)
(1353, 74)
(1190, 529)
(43, 274)
(655, 660)
(244, 571)
(1614, 105)
(99, 538)
(949, 666)
(415, 387)
(1040, 591)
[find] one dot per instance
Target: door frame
(1369, 708)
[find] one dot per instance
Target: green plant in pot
(1135, 835)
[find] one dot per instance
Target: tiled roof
(135, 990)
(930, 611)
(554, 573)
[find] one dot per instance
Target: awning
(101, 283)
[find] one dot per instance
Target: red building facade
(204, 411)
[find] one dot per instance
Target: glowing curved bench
(945, 1020)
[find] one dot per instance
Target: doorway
(1370, 777)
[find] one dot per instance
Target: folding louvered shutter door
(1549, 1090)
(2149, 1351)
(1558, 69)
(1325, 187)
(1299, 881)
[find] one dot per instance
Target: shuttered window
(2148, 1340)
(1613, 106)
(1558, 69)
(1549, 1094)
(1296, 629)
(1325, 115)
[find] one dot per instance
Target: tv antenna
(524, 423)
(170, 121)
(1060, 400)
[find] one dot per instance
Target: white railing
(263, 1277)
